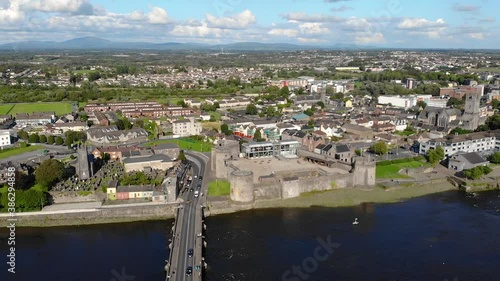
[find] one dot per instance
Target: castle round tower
(241, 186)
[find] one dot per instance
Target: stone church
(451, 118)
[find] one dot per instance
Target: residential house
(116, 152)
(463, 161)
(110, 135)
(34, 119)
(358, 132)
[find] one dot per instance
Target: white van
(196, 193)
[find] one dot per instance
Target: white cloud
(288, 32)
(310, 40)
(239, 21)
(374, 38)
(202, 30)
(420, 23)
(313, 28)
(420, 26)
(57, 6)
(303, 17)
(10, 14)
(477, 35)
(357, 24)
(158, 16)
(465, 8)
(137, 16)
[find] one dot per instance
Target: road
(189, 224)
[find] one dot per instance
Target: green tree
(139, 123)
(59, 140)
(51, 139)
(34, 138)
(84, 117)
(119, 124)
(182, 156)
(321, 104)
(251, 109)
(309, 112)
(284, 91)
(433, 157)
(379, 148)
(49, 172)
(257, 136)
(421, 104)
(23, 135)
(494, 158)
(43, 139)
(440, 151)
(182, 103)
(454, 102)
(495, 103)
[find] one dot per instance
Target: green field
(391, 171)
(186, 144)
(59, 107)
(218, 188)
(19, 150)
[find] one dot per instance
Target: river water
(449, 236)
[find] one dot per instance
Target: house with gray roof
(464, 161)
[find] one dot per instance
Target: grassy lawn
(5, 108)
(185, 144)
(391, 171)
(59, 107)
(19, 150)
(405, 133)
(218, 188)
(216, 115)
(211, 125)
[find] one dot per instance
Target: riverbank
(331, 198)
(94, 216)
(337, 198)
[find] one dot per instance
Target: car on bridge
(189, 271)
(190, 252)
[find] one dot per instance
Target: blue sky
(384, 23)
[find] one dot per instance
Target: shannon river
(449, 236)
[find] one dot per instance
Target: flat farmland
(14, 108)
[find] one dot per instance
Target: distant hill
(95, 43)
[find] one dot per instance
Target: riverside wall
(94, 216)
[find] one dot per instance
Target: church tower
(470, 119)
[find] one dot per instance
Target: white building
(474, 142)
(5, 139)
(398, 101)
(186, 127)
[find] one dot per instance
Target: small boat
(355, 221)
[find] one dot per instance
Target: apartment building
(474, 142)
(186, 127)
(5, 139)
